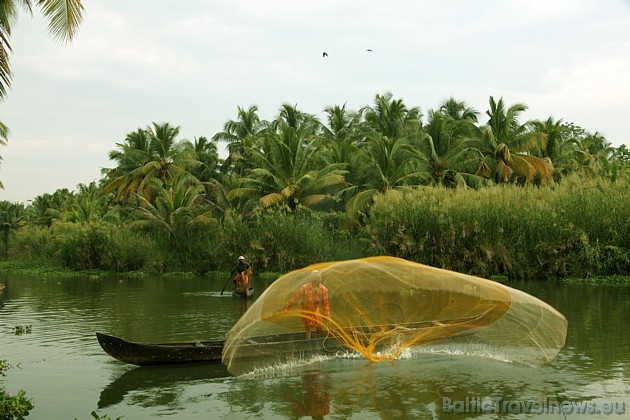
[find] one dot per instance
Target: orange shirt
(311, 297)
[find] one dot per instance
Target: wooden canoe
(239, 292)
(146, 354)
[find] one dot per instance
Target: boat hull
(144, 354)
(253, 348)
(247, 293)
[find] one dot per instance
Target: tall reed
(521, 232)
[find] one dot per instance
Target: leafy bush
(282, 240)
(33, 242)
(14, 406)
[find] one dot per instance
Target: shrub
(14, 406)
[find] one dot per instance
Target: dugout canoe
(147, 354)
(239, 292)
(289, 344)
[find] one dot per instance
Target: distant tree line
(296, 190)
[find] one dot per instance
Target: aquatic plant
(14, 406)
(97, 416)
(25, 329)
(4, 365)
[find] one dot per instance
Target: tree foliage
(199, 207)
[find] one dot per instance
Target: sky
(192, 63)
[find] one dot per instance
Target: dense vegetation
(523, 200)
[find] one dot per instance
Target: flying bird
(324, 54)
(370, 50)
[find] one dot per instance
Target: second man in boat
(242, 271)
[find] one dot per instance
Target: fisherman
(242, 271)
(311, 296)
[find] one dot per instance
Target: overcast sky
(191, 63)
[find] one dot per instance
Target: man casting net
(382, 306)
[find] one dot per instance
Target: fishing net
(381, 306)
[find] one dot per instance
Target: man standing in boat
(311, 297)
(242, 271)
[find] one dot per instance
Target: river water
(63, 369)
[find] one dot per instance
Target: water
(65, 372)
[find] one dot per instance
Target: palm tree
(340, 140)
(289, 171)
(4, 137)
(391, 118)
(458, 110)
(239, 135)
(45, 209)
(228, 197)
(11, 217)
(146, 155)
(598, 154)
(90, 203)
(508, 144)
(560, 149)
(178, 210)
(388, 156)
(205, 153)
(304, 124)
(342, 124)
(386, 164)
(64, 18)
(450, 150)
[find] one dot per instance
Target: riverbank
(40, 269)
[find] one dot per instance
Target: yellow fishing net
(381, 306)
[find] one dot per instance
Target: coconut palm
(205, 153)
(64, 18)
(146, 155)
(45, 209)
(386, 164)
(458, 110)
(178, 209)
(391, 118)
(340, 139)
(4, 136)
(596, 156)
(239, 135)
(227, 196)
(508, 144)
(12, 216)
(560, 149)
(389, 156)
(304, 124)
(289, 171)
(342, 124)
(90, 203)
(450, 150)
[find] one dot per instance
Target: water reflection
(314, 398)
(158, 385)
(412, 388)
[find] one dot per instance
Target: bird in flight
(324, 54)
(370, 50)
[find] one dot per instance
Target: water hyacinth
(14, 406)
